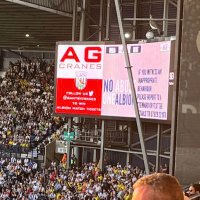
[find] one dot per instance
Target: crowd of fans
(26, 120)
(26, 100)
(21, 179)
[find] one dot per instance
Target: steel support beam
(82, 22)
(74, 20)
(149, 152)
(134, 21)
(92, 35)
(129, 143)
(130, 75)
(165, 16)
(147, 19)
(95, 23)
(102, 145)
(68, 155)
(158, 147)
(81, 38)
(140, 157)
(40, 8)
(17, 53)
(151, 137)
(95, 134)
(86, 147)
(107, 20)
(173, 3)
(69, 126)
(57, 6)
(176, 86)
(101, 20)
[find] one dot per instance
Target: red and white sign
(93, 80)
(79, 79)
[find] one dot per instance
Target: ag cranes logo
(91, 54)
(81, 57)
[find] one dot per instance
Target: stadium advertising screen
(92, 80)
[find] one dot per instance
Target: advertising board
(92, 80)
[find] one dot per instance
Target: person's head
(194, 189)
(156, 187)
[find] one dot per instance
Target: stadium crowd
(26, 100)
(26, 121)
(21, 179)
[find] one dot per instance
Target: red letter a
(70, 54)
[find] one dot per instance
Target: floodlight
(150, 35)
(127, 35)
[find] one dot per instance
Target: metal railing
(8, 151)
(111, 137)
(89, 136)
(116, 137)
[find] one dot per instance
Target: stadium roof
(45, 23)
(49, 21)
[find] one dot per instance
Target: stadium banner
(92, 80)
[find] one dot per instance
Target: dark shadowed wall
(187, 166)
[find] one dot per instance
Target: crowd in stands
(21, 179)
(26, 100)
(26, 121)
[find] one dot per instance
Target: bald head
(156, 187)
(143, 193)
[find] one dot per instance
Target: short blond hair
(164, 185)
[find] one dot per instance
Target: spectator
(156, 187)
(193, 190)
(64, 159)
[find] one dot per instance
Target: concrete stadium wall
(187, 161)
